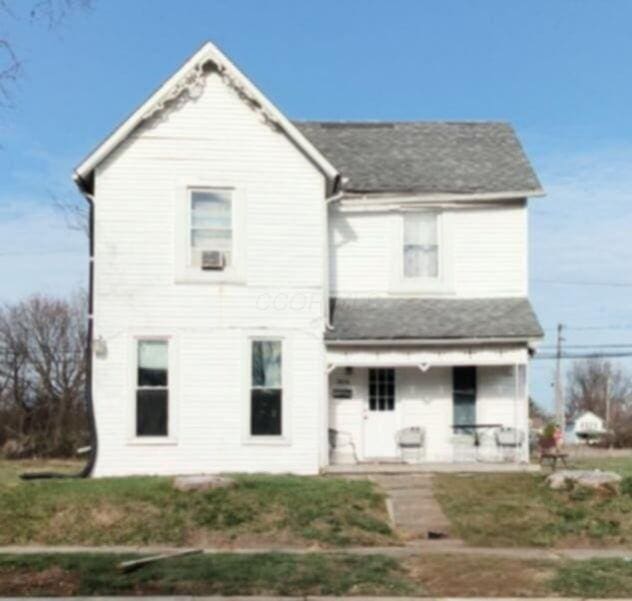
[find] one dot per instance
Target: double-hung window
(152, 388)
(211, 224)
(421, 245)
(266, 389)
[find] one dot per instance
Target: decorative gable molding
(189, 79)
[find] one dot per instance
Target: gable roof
(361, 319)
(176, 84)
(470, 158)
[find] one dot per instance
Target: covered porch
(397, 408)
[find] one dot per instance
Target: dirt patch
(461, 576)
(106, 515)
(53, 582)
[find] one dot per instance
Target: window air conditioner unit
(212, 260)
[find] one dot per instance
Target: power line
(627, 326)
(582, 283)
(582, 355)
(589, 346)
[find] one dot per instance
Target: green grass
(314, 574)
(270, 574)
(258, 510)
(594, 578)
(520, 510)
(620, 465)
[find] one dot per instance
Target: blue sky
(560, 71)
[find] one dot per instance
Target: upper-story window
(211, 226)
(421, 245)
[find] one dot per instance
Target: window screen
(266, 394)
(381, 389)
(421, 246)
(152, 392)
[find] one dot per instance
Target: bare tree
(605, 389)
(42, 376)
(75, 213)
(51, 13)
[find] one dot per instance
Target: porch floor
(420, 468)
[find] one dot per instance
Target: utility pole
(559, 386)
(608, 399)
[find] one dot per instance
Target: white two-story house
(277, 296)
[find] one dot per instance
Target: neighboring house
(588, 426)
(263, 288)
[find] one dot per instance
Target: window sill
(278, 441)
(415, 288)
(152, 441)
(197, 276)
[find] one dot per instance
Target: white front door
(380, 415)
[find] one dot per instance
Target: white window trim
(284, 439)
(172, 396)
(185, 273)
(444, 282)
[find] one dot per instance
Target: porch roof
(390, 319)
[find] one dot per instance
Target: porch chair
(509, 441)
(341, 448)
(411, 442)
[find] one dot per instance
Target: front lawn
(520, 510)
(258, 511)
(314, 574)
(270, 574)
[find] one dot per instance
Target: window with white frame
(266, 389)
(421, 245)
(152, 388)
(211, 224)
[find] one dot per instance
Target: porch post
(521, 407)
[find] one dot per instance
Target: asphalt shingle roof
(430, 318)
(424, 157)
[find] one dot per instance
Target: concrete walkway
(419, 548)
(412, 505)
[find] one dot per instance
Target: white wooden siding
(215, 137)
(488, 252)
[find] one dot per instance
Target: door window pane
(421, 247)
(381, 389)
(464, 398)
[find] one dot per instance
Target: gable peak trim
(190, 78)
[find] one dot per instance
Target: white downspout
(334, 198)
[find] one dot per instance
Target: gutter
(86, 471)
(431, 341)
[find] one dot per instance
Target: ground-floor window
(266, 391)
(381, 389)
(152, 388)
(464, 396)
